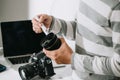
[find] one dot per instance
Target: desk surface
(12, 74)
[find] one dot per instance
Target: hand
(42, 19)
(61, 55)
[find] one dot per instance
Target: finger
(62, 40)
(34, 21)
(58, 61)
(42, 18)
(44, 50)
(50, 54)
(37, 23)
(51, 57)
(36, 26)
(36, 29)
(45, 19)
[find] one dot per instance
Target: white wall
(39, 6)
(64, 9)
(27, 9)
(11, 10)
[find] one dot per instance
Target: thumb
(44, 50)
(42, 18)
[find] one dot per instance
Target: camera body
(40, 64)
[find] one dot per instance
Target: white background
(11, 10)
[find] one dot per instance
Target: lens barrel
(28, 71)
(51, 42)
(41, 65)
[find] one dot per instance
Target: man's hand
(41, 19)
(61, 55)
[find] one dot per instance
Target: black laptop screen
(19, 39)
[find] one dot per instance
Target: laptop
(19, 41)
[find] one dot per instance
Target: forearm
(67, 28)
(103, 64)
(95, 65)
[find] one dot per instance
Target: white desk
(12, 74)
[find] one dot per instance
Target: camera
(40, 65)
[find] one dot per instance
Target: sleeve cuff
(72, 61)
(52, 24)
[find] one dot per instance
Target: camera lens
(51, 42)
(23, 74)
(28, 71)
(40, 64)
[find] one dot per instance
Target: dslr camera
(40, 65)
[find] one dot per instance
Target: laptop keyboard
(19, 60)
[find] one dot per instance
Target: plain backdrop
(12, 10)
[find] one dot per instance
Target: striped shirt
(96, 32)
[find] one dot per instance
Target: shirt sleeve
(103, 65)
(66, 28)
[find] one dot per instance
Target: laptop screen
(19, 39)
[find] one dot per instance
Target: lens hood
(51, 42)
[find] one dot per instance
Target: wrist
(72, 61)
(52, 22)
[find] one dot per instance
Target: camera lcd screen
(19, 39)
